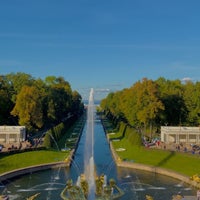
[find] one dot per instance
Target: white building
(12, 134)
(180, 134)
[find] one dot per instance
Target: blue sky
(101, 43)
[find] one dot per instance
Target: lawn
(26, 159)
(184, 163)
(30, 158)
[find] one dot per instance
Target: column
(177, 138)
(17, 137)
(187, 138)
(167, 137)
(7, 137)
(197, 138)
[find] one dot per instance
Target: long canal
(135, 183)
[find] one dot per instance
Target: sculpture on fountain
(80, 190)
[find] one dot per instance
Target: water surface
(135, 183)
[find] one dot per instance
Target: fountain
(89, 170)
(93, 179)
(89, 186)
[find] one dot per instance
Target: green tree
(138, 105)
(148, 103)
(17, 81)
(28, 108)
(128, 104)
(171, 94)
(77, 105)
(192, 102)
(6, 104)
(59, 98)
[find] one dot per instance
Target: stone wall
(27, 170)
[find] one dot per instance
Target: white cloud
(186, 79)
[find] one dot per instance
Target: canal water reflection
(135, 183)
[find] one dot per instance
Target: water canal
(135, 183)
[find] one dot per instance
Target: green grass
(63, 141)
(26, 159)
(183, 163)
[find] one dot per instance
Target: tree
(138, 105)
(171, 94)
(59, 99)
(6, 104)
(148, 103)
(28, 108)
(128, 105)
(77, 104)
(17, 81)
(191, 98)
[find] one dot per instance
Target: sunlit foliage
(148, 104)
(36, 103)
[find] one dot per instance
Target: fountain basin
(104, 190)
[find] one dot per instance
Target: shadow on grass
(163, 161)
(122, 135)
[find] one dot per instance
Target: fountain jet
(89, 170)
(90, 186)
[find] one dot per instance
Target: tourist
(198, 194)
(185, 149)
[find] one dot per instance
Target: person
(198, 194)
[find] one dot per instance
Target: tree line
(36, 103)
(148, 104)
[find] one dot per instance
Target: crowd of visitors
(185, 148)
(15, 146)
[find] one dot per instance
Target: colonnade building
(12, 134)
(180, 134)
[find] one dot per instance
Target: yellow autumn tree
(28, 107)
